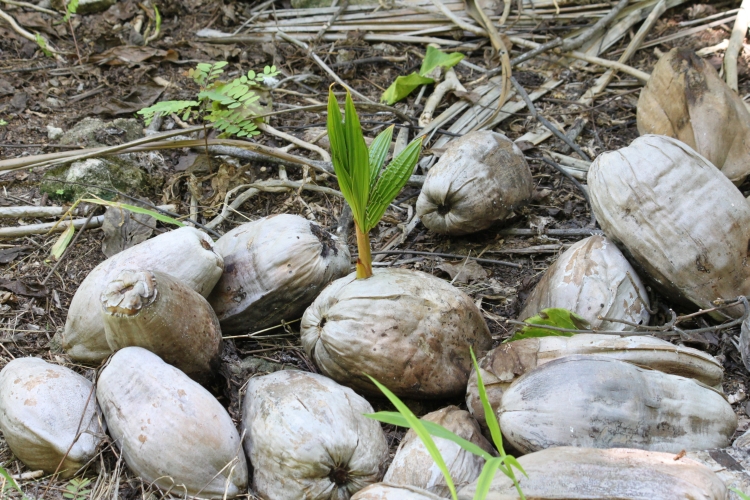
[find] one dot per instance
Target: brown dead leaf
(10, 254)
(143, 96)
(27, 289)
(464, 271)
(124, 229)
(131, 54)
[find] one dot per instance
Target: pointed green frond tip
(557, 317)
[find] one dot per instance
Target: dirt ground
(37, 92)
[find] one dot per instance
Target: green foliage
(557, 317)
(3, 122)
(157, 21)
(405, 85)
(76, 489)
(505, 463)
(230, 106)
(742, 495)
(70, 9)
(138, 210)
(42, 44)
(366, 186)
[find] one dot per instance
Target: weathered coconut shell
(592, 278)
(600, 402)
(408, 329)
(481, 178)
(504, 364)
(42, 406)
(730, 464)
(307, 438)
(274, 269)
(624, 474)
(386, 491)
(155, 311)
(170, 430)
(686, 99)
(413, 465)
(185, 254)
(682, 221)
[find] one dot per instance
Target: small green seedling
(3, 122)
(424, 429)
(405, 85)
(70, 9)
(76, 489)
(231, 106)
(366, 186)
(556, 317)
(42, 44)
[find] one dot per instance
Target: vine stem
(364, 260)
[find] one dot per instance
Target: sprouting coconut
(185, 253)
(155, 311)
(49, 416)
(273, 269)
(410, 330)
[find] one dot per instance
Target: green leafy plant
(557, 317)
(367, 187)
(42, 44)
(76, 489)
(70, 9)
(405, 85)
(230, 106)
(424, 430)
(3, 122)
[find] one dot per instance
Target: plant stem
(364, 261)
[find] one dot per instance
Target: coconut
(385, 491)
(481, 178)
(686, 99)
(155, 311)
(408, 329)
(591, 474)
(504, 364)
(413, 465)
(677, 216)
(185, 253)
(307, 438)
(171, 431)
(600, 402)
(49, 416)
(593, 279)
(274, 269)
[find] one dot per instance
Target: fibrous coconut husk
(274, 269)
(171, 431)
(686, 99)
(307, 438)
(684, 223)
(185, 253)
(593, 474)
(386, 491)
(504, 364)
(413, 465)
(409, 330)
(155, 311)
(600, 402)
(593, 279)
(42, 409)
(481, 178)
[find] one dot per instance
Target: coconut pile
(621, 414)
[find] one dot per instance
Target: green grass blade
(740, 494)
(437, 430)
(339, 154)
(10, 479)
(62, 242)
(419, 428)
(489, 415)
(484, 481)
(393, 178)
(378, 152)
(138, 210)
(358, 158)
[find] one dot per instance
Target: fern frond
(166, 108)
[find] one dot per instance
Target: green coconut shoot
(367, 187)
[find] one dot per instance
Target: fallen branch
(18, 29)
(735, 44)
(32, 211)
(449, 84)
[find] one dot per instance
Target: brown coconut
(599, 402)
(504, 364)
(592, 474)
(686, 99)
(677, 216)
(274, 269)
(308, 439)
(155, 311)
(185, 253)
(413, 465)
(171, 431)
(410, 330)
(593, 279)
(42, 409)
(481, 178)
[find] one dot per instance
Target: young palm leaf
(366, 188)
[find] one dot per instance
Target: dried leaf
(143, 95)
(62, 242)
(124, 229)
(464, 272)
(10, 254)
(27, 289)
(131, 54)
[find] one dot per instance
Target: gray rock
(54, 133)
(91, 176)
(252, 365)
(93, 132)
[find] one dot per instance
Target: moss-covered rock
(93, 132)
(98, 176)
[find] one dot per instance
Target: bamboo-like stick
(735, 44)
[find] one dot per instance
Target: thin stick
(450, 256)
(294, 140)
(735, 44)
(332, 20)
(640, 75)
(18, 29)
(31, 6)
